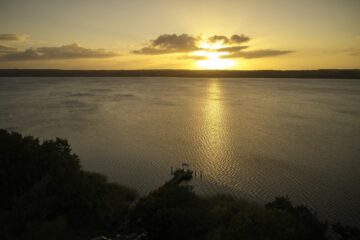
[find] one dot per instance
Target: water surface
(258, 138)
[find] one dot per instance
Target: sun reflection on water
(214, 129)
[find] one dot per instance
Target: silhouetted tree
(46, 195)
(346, 232)
(171, 212)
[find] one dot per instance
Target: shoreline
(322, 74)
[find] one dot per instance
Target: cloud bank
(257, 53)
(12, 37)
(234, 39)
(72, 51)
(169, 43)
(6, 49)
(184, 43)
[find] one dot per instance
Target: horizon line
(320, 73)
(186, 69)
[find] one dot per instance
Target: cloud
(5, 49)
(231, 49)
(258, 53)
(193, 57)
(219, 38)
(154, 51)
(72, 51)
(184, 43)
(233, 40)
(12, 37)
(233, 46)
(169, 43)
(239, 38)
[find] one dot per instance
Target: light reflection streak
(214, 129)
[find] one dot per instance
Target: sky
(184, 34)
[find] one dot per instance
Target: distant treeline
(322, 73)
(45, 194)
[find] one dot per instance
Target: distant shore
(322, 73)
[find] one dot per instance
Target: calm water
(258, 138)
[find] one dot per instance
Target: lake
(255, 138)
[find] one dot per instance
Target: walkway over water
(182, 174)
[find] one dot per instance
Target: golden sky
(154, 34)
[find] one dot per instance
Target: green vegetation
(175, 212)
(46, 195)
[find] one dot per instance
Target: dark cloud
(154, 51)
(231, 49)
(194, 57)
(184, 43)
(71, 51)
(169, 43)
(234, 39)
(237, 39)
(5, 49)
(235, 48)
(12, 37)
(257, 53)
(219, 38)
(28, 54)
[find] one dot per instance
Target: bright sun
(212, 57)
(214, 62)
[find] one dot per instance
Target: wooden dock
(182, 174)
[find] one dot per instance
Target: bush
(46, 194)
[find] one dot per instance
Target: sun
(212, 57)
(213, 61)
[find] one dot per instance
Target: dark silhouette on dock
(182, 174)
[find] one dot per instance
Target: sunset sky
(187, 34)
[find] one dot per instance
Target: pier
(182, 174)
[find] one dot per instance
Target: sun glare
(215, 63)
(212, 56)
(213, 60)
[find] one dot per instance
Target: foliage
(46, 194)
(346, 232)
(171, 212)
(175, 212)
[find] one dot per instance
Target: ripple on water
(252, 138)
